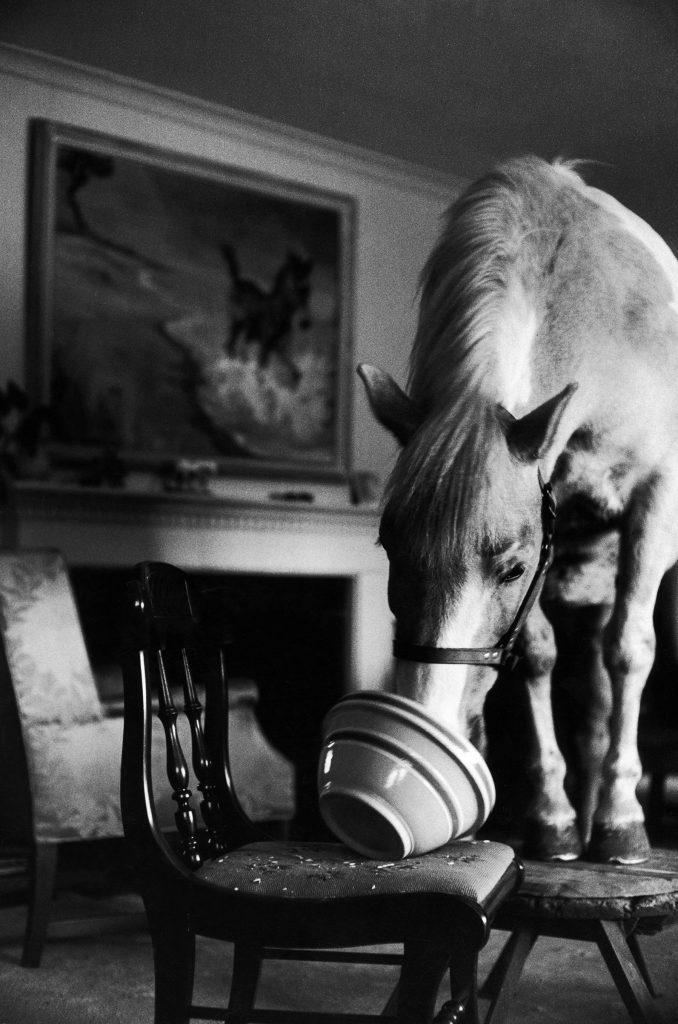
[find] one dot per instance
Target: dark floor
(108, 980)
(108, 977)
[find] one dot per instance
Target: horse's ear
(534, 436)
(390, 404)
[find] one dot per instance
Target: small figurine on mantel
(106, 470)
(363, 488)
(24, 433)
(188, 476)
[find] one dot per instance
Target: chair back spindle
(177, 769)
(179, 640)
(203, 764)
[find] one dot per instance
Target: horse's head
(462, 528)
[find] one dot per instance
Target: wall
(397, 216)
(450, 85)
(398, 206)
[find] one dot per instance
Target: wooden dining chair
(283, 900)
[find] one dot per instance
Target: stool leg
(613, 945)
(641, 964)
(505, 975)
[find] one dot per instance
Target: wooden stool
(603, 903)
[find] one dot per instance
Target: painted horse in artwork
(267, 318)
(545, 362)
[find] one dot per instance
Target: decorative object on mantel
(187, 310)
(363, 488)
(301, 497)
(188, 476)
(105, 470)
(23, 430)
(67, 500)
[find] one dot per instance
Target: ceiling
(448, 84)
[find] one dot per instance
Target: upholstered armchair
(59, 750)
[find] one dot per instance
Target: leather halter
(502, 653)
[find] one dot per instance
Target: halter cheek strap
(502, 653)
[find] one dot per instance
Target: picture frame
(181, 309)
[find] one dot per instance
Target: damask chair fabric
(60, 752)
(71, 749)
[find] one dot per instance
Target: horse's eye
(513, 574)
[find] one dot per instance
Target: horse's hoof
(551, 842)
(619, 844)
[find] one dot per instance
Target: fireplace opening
(291, 638)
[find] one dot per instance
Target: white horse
(547, 344)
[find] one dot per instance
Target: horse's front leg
(648, 547)
(551, 831)
(592, 736)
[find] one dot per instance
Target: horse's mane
(464, 283)
(503, 226)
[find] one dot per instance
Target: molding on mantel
(47, 502)
(117, 527)
(110, 87)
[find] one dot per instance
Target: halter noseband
(502, 653)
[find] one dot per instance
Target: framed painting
(183, 309)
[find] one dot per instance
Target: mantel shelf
(117, 527)
(32, 499)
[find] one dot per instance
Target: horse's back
(537, 280)
(602, 290)
(601, 278)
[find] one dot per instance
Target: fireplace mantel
(117, 527)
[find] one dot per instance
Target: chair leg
(245, 978)
(43, 865)
(502, 982)
(391, 1005)
(424, 965)
(426, 957)
(174, 960)
(463, 1003)
(614, 946)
